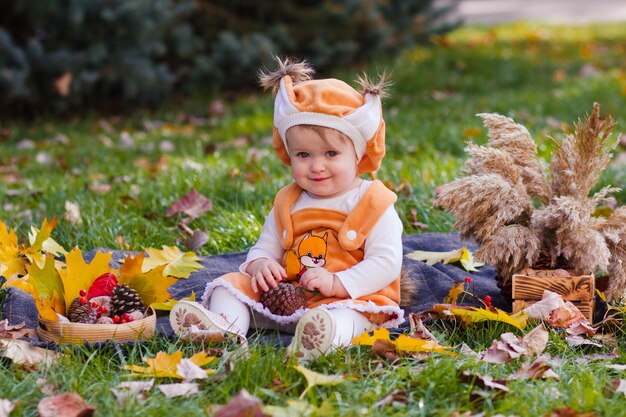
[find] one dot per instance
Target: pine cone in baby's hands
(284, 300)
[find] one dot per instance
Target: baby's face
(323, 160)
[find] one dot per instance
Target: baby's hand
(320, 279)
(265, 273)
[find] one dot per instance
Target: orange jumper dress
(328, 238)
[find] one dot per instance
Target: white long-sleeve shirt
(382, 252)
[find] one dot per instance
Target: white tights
(349, 323)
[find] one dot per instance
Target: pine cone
(125, 300)
(81, 313)
(284, 300)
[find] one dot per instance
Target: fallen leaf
(536, 340)
(462, 255)
(476, 314)
(294, 408)
(617, 367)
(72, 213)
(180, 389)
(418, 330)
(62, 84)
(617, 386)
(165, 365)
(26, 355)
(65, 405)
(315, 379)
(568, 412)
(79, 275)
(575, 341)
(454, 293)
(14, 332)
(48, 290)
(151, 285)
(132, 389)
(11, 263)
(179, 264)
(385, 349)
(402, 344)
(565, 315)
(241, 405)
(544, 307)
(47, 387)
(167, 305)
(193, 204)
(539, 369)
(6, 406)
(396, 396)
(486, 381)
(190, 371)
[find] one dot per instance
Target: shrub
(66, 54)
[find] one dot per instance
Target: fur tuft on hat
(377, 89)
(298, 71)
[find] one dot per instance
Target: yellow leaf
(475, 314)
(80, 275)
(601, 295)
(162, 366)
(314, 378)
(201, 359)
(166, 366)
(467, 260)
(47, 285)
(454, 293)
(151, 286)
(46, 308)
(366, 339)
(405, 343)
(179, 264)
(402, 343)
(462, 255)
(10, 261)
(167, 305)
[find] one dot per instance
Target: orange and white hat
(329, 103)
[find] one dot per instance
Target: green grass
(545, 77)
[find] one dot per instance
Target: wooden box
(579, 289)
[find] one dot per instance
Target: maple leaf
(40, 240)
(48, 289)
(10, 261)
(168, 304)
(151, 285)
(166, 366)
(179, 264)
(193, 204)
(475, 314)
(314, 379)
(79, 275)
(402, 344)
(14, 332)
(462, 255)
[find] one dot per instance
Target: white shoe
(191, 321)
(314, 335)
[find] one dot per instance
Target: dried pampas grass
(518, 217)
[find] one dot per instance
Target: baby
(331, 232)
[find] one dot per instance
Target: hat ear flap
(279, 147)
(374, 152)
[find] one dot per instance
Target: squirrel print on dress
(311, 253)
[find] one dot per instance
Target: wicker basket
(65, 332)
